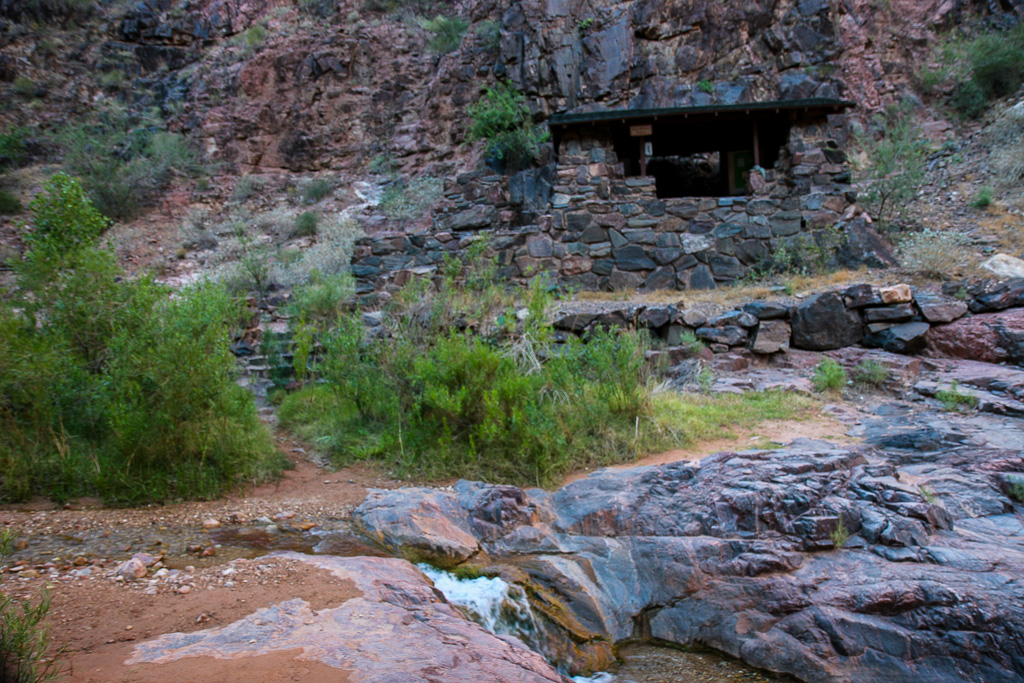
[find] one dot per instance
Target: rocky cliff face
(267, 85)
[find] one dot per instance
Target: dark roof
(823, 104)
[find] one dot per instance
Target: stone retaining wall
(603, 230)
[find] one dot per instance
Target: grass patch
(870, 373)
(954, 400)
(983, 199)
(829, 376)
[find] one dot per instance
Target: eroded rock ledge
(738, 553)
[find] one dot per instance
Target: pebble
(185, 589)
(211, 523)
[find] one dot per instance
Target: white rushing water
(501, 608)
(491, 602)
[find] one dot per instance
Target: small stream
(503, 609)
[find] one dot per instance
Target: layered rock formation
(898, 562)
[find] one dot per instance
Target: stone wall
(602, 230)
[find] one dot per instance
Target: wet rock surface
(739, 552)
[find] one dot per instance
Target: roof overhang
(815, 105)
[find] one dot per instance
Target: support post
(757, 147)
(643, 156)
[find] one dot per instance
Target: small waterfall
(502, 609)
(498, 606)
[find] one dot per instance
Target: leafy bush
(24, 86)
(829, 376)
(123, 162)
(305, 224)
(12, 147)
(502, 118)
(804, 254)
(897, 167)
(111, 387)
(316, 189)
(446, 33)
(706, 86)
(935, 253)
(331, 255)
(24, 639)
(979, 69)
(870, 373)
(63, 219)
(324, 298)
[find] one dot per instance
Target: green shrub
(24, 638)
(983, 199)
(446, 33)
(324, 299)
(954, 400)
(706, 86)
(316, 189)
(829, 376)
(123, 162)
(979, 69)
(12, 147)
(804, 254)
(318, 8)
(1015, 486)
(502, 118)
(840, 535)
(111, 387)
(897, 167)
(9, 204)
(409, 200)
(246, 187)
(935, 253)
(24, 86)
(870, 373)
(63, 220)
(305, 224)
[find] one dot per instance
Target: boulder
(864, 247)
(632, 258)
(888, 314)
(767, 310)
(991, 297)
(771, 336)
(823, 322)
(730, 335)
(741, 318)
(700, 552)
(859, 296)
(1004, 265)
(903, 338)
(897, 294)
(574, 322)
(425, 527)
(989, 337)
(939, 309)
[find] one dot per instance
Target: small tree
(897, 165)
(502, 118)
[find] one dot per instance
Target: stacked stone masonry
(589, 226)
